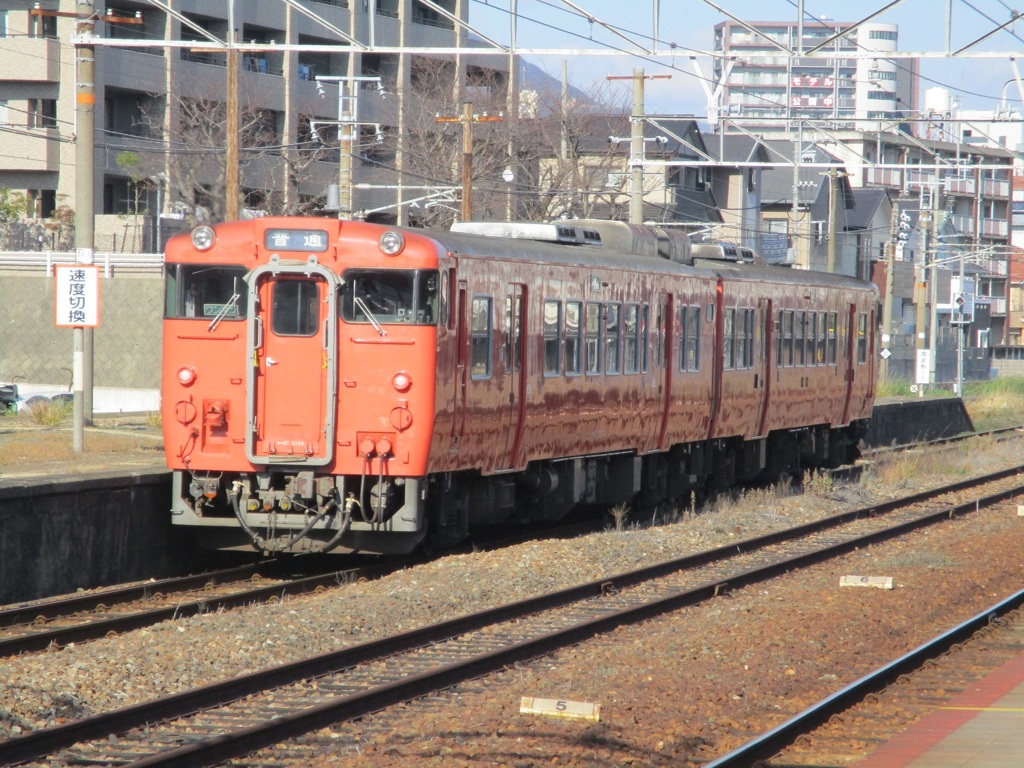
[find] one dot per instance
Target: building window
(881, 34)
(42, 113)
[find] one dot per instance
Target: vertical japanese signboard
(77, 298)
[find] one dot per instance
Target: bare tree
(550, 160)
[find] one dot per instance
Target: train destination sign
(77, 297)
(296, 240)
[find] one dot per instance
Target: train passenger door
(764, 344)
(515, 373)
(292, 371)
(850, 360)
(663, 360)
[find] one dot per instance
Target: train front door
(292, 380)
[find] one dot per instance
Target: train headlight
(186, 376)
(401, 381)
(203, 238)
(391, 243)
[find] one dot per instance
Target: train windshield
(378, 296)
(205, 291)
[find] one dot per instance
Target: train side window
(552, 337)
(751, 315)
(645, 317)
(613, 333)
(631, 339)
(820, 358)
(862, 338)
(787, 339)
(799, 334)
(744, 338)
(593, 338)
(693, 341)
(832, 334)
(573, 347)
(295, 308)
(812, 334)
(481, 337)
(729, 339)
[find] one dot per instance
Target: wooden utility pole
(467, 118)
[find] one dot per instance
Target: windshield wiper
(369, 316)
(232, 304)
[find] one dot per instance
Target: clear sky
(979, 82)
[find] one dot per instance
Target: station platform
(982, 727)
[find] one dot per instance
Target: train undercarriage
(295, 510)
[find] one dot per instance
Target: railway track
(304, 695)
(78, 618)
(804, 738)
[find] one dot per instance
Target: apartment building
(159, 140)
(767, 88)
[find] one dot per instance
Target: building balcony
(884, 177)
(994, 228)
(35, 149)
(32, 59)
(964, 225)
(954, 185)
(996, 188)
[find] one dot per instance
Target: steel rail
(777, 739)
(38, 744)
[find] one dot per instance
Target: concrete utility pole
(85, 220)
(467, 119)
(890, 274)
(232, 187)
(636, 143)
(833, 224)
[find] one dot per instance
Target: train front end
(298, 384)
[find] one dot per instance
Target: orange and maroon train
(341, 385)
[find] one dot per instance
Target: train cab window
(612, 334)
(689, 339)
(552, 337)
(481, 337)
(573, 342)
(799, 336)
(205, 291)
(593, 345)
(729, 339)
(389, 296)
(631, 339)
(295, 307)
(832, 334)
(862, 338)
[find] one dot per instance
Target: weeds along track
(263, 709)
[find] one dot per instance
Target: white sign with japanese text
(77, 296)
